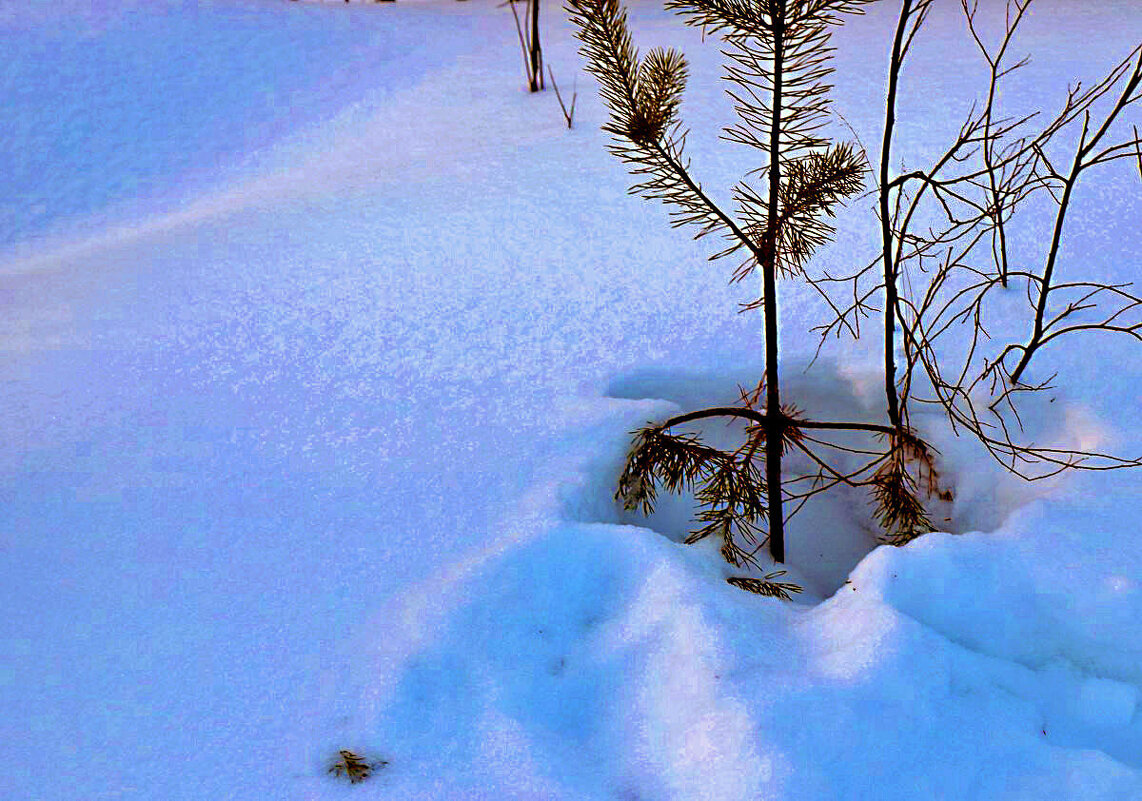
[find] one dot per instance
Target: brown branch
(763, 419)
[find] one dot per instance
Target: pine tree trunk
(775, 428)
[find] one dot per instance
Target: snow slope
(314, 409)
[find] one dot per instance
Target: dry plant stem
(522, 40)
(982, 132)
(1048, 272)
(529, 43)
(536, 52)
(1138, 150)
(1007, 176)
(999, 230)
(890, 269)
(1082, 160)
(568, 113)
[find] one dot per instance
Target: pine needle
(767, 586)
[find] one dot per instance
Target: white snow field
(322, 342)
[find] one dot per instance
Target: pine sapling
(779, 53)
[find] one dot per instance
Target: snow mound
(593, 659)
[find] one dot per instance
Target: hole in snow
(834, 531)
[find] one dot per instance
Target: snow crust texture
(322, 341)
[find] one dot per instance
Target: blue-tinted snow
(312, 419)
(126, 108)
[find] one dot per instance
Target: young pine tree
(779, 53)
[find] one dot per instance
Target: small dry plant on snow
(354, 767)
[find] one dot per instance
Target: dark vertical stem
(1048, 273)
(536, 52)
(999, 235)
(890, 267)
(1087, 143)
(775, 420)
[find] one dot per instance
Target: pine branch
(730, 487)
(643, 98)
(733, 499)
(896, 491)
(674, 461)
(767, 586)
(760, 34)
(812, 188)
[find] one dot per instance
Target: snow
(322, 342)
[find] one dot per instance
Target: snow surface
(322, 340)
